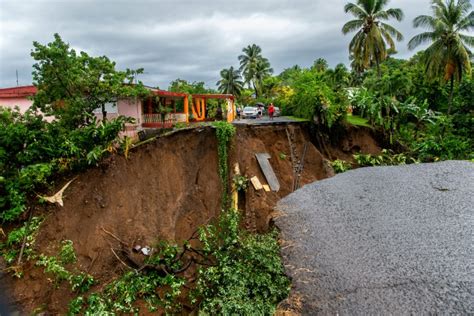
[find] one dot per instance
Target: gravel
(383, 240)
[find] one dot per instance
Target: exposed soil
(258, 205)
(164, 190)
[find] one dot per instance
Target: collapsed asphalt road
(385, 240)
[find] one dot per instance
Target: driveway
(384, 240)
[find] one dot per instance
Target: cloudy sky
(185, 39)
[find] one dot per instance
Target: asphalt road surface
(265, 120)
(385, 240)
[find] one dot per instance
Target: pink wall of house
(22, 102)
(131, 108)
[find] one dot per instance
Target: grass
(357, 121)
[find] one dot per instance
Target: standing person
(239, 111)
(271, 111)
(259, 111)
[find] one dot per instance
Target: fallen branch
(27, 231)
(115, 237)
(118, 258)
(58, 197)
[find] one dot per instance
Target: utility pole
(17, 77)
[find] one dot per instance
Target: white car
(250, 112)
(277, 111)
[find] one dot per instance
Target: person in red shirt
(271, 111)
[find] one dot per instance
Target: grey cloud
(192, 40)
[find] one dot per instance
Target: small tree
(71, 85)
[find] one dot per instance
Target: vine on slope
(224, 133)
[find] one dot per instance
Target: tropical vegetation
(230, 82)
(254, 67)
(368, 47)
(448, 56)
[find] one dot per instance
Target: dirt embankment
(164, 190)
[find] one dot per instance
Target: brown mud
(164, 191)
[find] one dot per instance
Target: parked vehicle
(277, 111)
(249, 112)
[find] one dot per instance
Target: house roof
(26, 91)
(18, 92)
(164, 93)
(214, 96)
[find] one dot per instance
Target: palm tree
(230, 82)
(369, 45)
(448, 55)
(320, 65)
(253, 66)
(262, 71)
(340, 76)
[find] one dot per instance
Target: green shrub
(247, 277)
(241, 183)
(340, 166)
(385, 158)
(33, 150)
(11, 248)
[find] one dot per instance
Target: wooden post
(186, 109)
(235, 193)
(234, 112)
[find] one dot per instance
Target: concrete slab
(267, 170)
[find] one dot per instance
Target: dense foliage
(70, 87)
(414, 104)
(33, 150)
(247, 277)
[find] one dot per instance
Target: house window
(110, 108)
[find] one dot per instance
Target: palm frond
(355, 10)
(392, 31)
(466, 23)
(397, 14)
(425, 21)
(468, 40)
(352, 26)
(420, 39)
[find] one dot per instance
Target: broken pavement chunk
(267, 170)
(256, 183)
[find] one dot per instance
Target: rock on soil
(384, 240)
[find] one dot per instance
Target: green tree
(288, 75)
(320, 65)
(339, 76)
(262, 71)
(183, 86)
(369, 45)
(254, 66)
(71, 85)
(230, 82)
(448, 55)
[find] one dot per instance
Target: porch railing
(170, 118)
